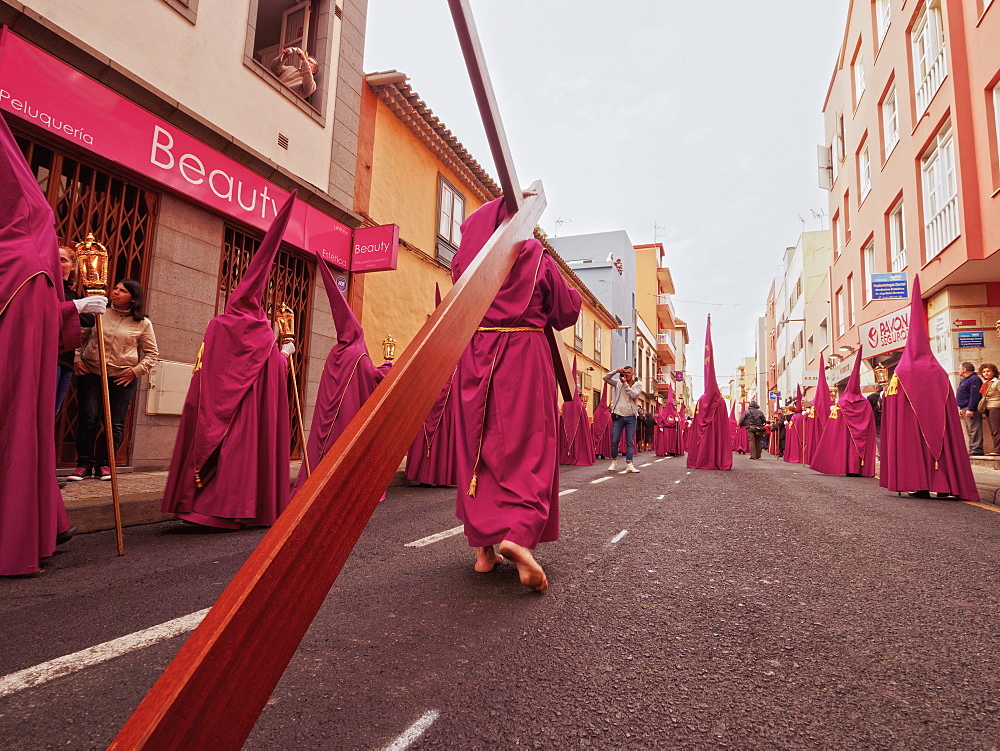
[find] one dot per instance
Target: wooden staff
(286, 334)
(92, 266)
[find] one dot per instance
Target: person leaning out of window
(130, 350)
(990, 391)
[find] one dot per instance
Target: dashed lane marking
(601, 479)
(676, 482)
(619, 536)
(434, 538)
(646, 464)
(568, 491)
(660, 497)
(414, 731)
(85, 658)
(659, 460)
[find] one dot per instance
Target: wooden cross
(212, 693)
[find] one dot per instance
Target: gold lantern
(389, 349)
(834, 394)
(584, 398)
(92, 266)
(881, 375)
(286, 324)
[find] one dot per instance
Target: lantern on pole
(285, 319)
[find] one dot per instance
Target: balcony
(665, 315)
(665, 349)
(932, 82)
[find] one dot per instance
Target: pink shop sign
(44, 91)
(885, 334)
(375, 248)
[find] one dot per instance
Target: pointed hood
(245, 300)
(798, 398)
(711, 444)
(349, 329)
(855, 409)
(28, 244)
(437, 295)
(821, 401)
(922, 378)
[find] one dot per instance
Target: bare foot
(486, 559)
(532, 575)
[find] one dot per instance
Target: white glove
(93, 304)
(288, 349)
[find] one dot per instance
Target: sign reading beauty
(885, 334)
(375, 248)
(48, 93)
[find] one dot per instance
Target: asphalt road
(766, 607)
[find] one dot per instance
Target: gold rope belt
(507, 329)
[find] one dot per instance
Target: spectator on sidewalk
(130, 350)
(990, 391)
(968, 397)
(624, 397)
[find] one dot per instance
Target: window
(868, 267)
(940, 194)
(810, 348)
(839, 139)
(840, 311)
(451, 214)
(305, 24)
(897, 238)
(849, 301)
(578, 334)
(882, 12)
(187, 8)
(847, 219)
(858, 70)
(890, 122)
(824, 334)
(864, 172)
(930, 64)
(996, 117)
(597, 342)
(836, 234)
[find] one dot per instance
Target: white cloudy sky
(689, 122)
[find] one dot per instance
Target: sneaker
(81, 473)
(630, 467)
(614, 466)
(105, 473)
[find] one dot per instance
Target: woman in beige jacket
(991, 395)
(130, 350)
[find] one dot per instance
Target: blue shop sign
(971, 339)
(890, 286)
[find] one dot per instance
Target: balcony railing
(943, 228)
(932, 82)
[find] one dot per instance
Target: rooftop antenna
(657, 232)
(559, 223)
(821, 214)
(803, 222)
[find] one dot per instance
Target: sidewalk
(89, 506)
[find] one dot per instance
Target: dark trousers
(993, 420)
(974, 431)
(62, 386)
(755, 444)
(628, 424)
(90, 406)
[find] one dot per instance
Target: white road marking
(47, 671)
(414, 731)
(660, 497)
(659, 460)
(602, 479)
(434, 538)
(568, 491)
(677, 482)
(646, 464)
(619, 536)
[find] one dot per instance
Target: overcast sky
(688, 122)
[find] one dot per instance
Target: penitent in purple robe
(923, 441)
(709, 444)
(794, 432)
(507, 419)
(35, 325)
(847, 446)
(741, 442)
(431, 458)
(576, 442)
(349, 377)
(230, 462)
(818, 415)
(601, 427)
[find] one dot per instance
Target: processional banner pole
(286, 334)
(92, 268)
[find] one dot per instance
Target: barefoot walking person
(507, 419)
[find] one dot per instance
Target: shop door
(122, 216)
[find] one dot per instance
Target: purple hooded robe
(709, 445)
(576, 442)
(230, 463)
(431, 458)
(349, 377)
(818, 415)
(794, 432)
(507, 419)
(923, 442)
(35, 325)
(847, 446)
(741, 441)
(602, 426)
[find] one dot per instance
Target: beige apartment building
(162, 128)
(912, 162)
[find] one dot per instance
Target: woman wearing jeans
(130, 348)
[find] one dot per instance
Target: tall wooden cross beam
(212, 693)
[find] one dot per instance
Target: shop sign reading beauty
(44, 91)
(885, 334)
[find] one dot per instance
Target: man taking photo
(623, 411)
